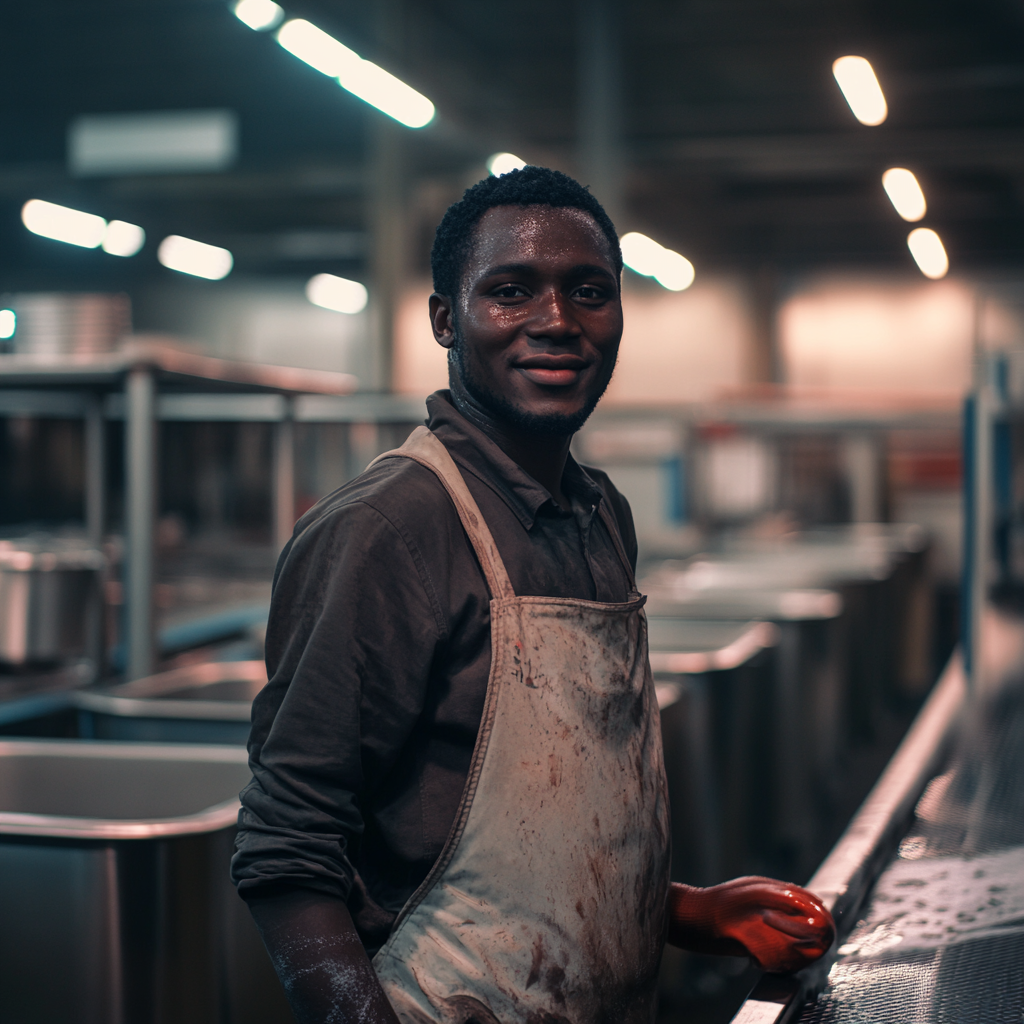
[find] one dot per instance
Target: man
(457, 761)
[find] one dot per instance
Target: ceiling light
(337, 293)
(188, 256)
(646, 256)
(360, 77)
(502, 163)
(259, 14)
(63, 224)
(905, 193)
(123, 239)
(929, 253)
(856, 78)
(8, 323)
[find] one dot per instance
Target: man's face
(535, 329)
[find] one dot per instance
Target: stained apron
(548, 903)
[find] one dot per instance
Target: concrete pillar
(765, 365)
(862, 459)
(284, 479)
(95, 470)
(140, 520)
(599, 104)
(386, 214)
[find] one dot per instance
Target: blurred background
(215, 223)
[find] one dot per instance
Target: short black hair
(529, 186)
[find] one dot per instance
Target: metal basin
(205, 703)
(49, 600)
(713, 680)
(116, 904)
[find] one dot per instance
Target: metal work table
(151, 380)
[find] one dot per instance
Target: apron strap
(423, 447)
(613, 528)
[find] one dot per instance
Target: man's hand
(781, 926)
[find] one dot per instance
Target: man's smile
(552, 370)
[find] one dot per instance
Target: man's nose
(554, 317)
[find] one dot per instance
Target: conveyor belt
(940, 936)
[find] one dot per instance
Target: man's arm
(782, 926)
(343, 697)
(318, 957)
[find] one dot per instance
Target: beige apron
(548, 903)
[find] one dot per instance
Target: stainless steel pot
(116, 904)
(49, 599)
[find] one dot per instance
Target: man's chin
(517, 413)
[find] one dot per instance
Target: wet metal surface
(942, 937)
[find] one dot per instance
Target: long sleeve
(353, 631)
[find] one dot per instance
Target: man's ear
(441, 320)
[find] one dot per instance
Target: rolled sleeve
(354, 627)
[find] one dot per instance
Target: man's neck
(543, 458)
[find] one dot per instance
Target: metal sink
(205, 703)
(116, 903)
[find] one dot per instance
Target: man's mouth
(552, 370)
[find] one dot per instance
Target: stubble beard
(540, 425)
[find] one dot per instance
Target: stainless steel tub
(115, 905)
(713, 680)
(205, 703)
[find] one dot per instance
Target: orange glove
(782, 926)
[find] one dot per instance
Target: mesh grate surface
(941, 940)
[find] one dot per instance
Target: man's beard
(538, 424)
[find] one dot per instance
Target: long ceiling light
(63, 224)
(259, 15)
(904, 193)
(856, 78)
(501, 163)
(929, 253)
(360, 77)
(646, 256)
(188, 256)
(336, 293)
(8, 323)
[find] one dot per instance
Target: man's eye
(509, 291)
(590, 291)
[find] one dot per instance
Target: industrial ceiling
(736, 146)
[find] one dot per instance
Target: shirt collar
(474, 451)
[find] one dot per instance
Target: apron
(548, 903)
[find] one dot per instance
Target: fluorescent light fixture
(188, 256)
(337, 293)
(905, 193)
(123, 239)
(8, 323)
(63, 224)
(648, 257)
(856, 78)
(259, 15)
(501, 163)
(360, 77)
(929, 253)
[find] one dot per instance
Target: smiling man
(457, 766)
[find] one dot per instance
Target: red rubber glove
(782, 926)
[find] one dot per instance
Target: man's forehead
(535, 231)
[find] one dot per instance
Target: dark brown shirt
(378, 650)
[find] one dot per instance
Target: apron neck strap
(613, 528)
(423, 447)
